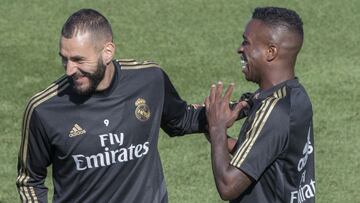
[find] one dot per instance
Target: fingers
(244, 104)
(240, 106)
(228, 92)
(216, 92)
(212, 93)
(219, 88)
(207, 102)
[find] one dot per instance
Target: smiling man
(98, 125)
(84, 64)
(273, 159)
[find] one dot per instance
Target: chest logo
(76, 130)
(142, 111)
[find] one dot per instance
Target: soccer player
(273, 158)
(98, 125)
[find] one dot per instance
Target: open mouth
(243, 61)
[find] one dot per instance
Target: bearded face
(85, 83)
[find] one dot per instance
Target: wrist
(217, 130)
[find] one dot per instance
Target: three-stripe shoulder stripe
(27, 193)
(280, 93)
(127, 64)
(261, 116)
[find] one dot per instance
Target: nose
(71, 68)
(240, 50)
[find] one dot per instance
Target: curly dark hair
(276, 16)
(87, 20)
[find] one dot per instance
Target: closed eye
(76, 59)
(245, 40)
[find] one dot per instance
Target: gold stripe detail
(280, 93)
(250, 135)
(48, 94)
(77, 127)
(32, 100)
(21, 192)
(284, 91)
(260, 119)
(28, 193)
(125, 60)
(33, 195)
(275, 94)
(153, 65)
(133, 64)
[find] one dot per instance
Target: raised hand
(219, 114)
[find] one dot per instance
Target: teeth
(243, 62)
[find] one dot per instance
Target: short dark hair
(276, 16)
(87, 20)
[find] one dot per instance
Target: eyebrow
(73, 58)
(244, 37)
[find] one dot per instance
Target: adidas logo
(76, 130)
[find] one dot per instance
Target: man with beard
(273, 158)
(98, 125)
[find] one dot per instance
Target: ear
(272, 52)
(108, 52)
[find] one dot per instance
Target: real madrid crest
(142, 111)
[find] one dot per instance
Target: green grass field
(195, 42)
